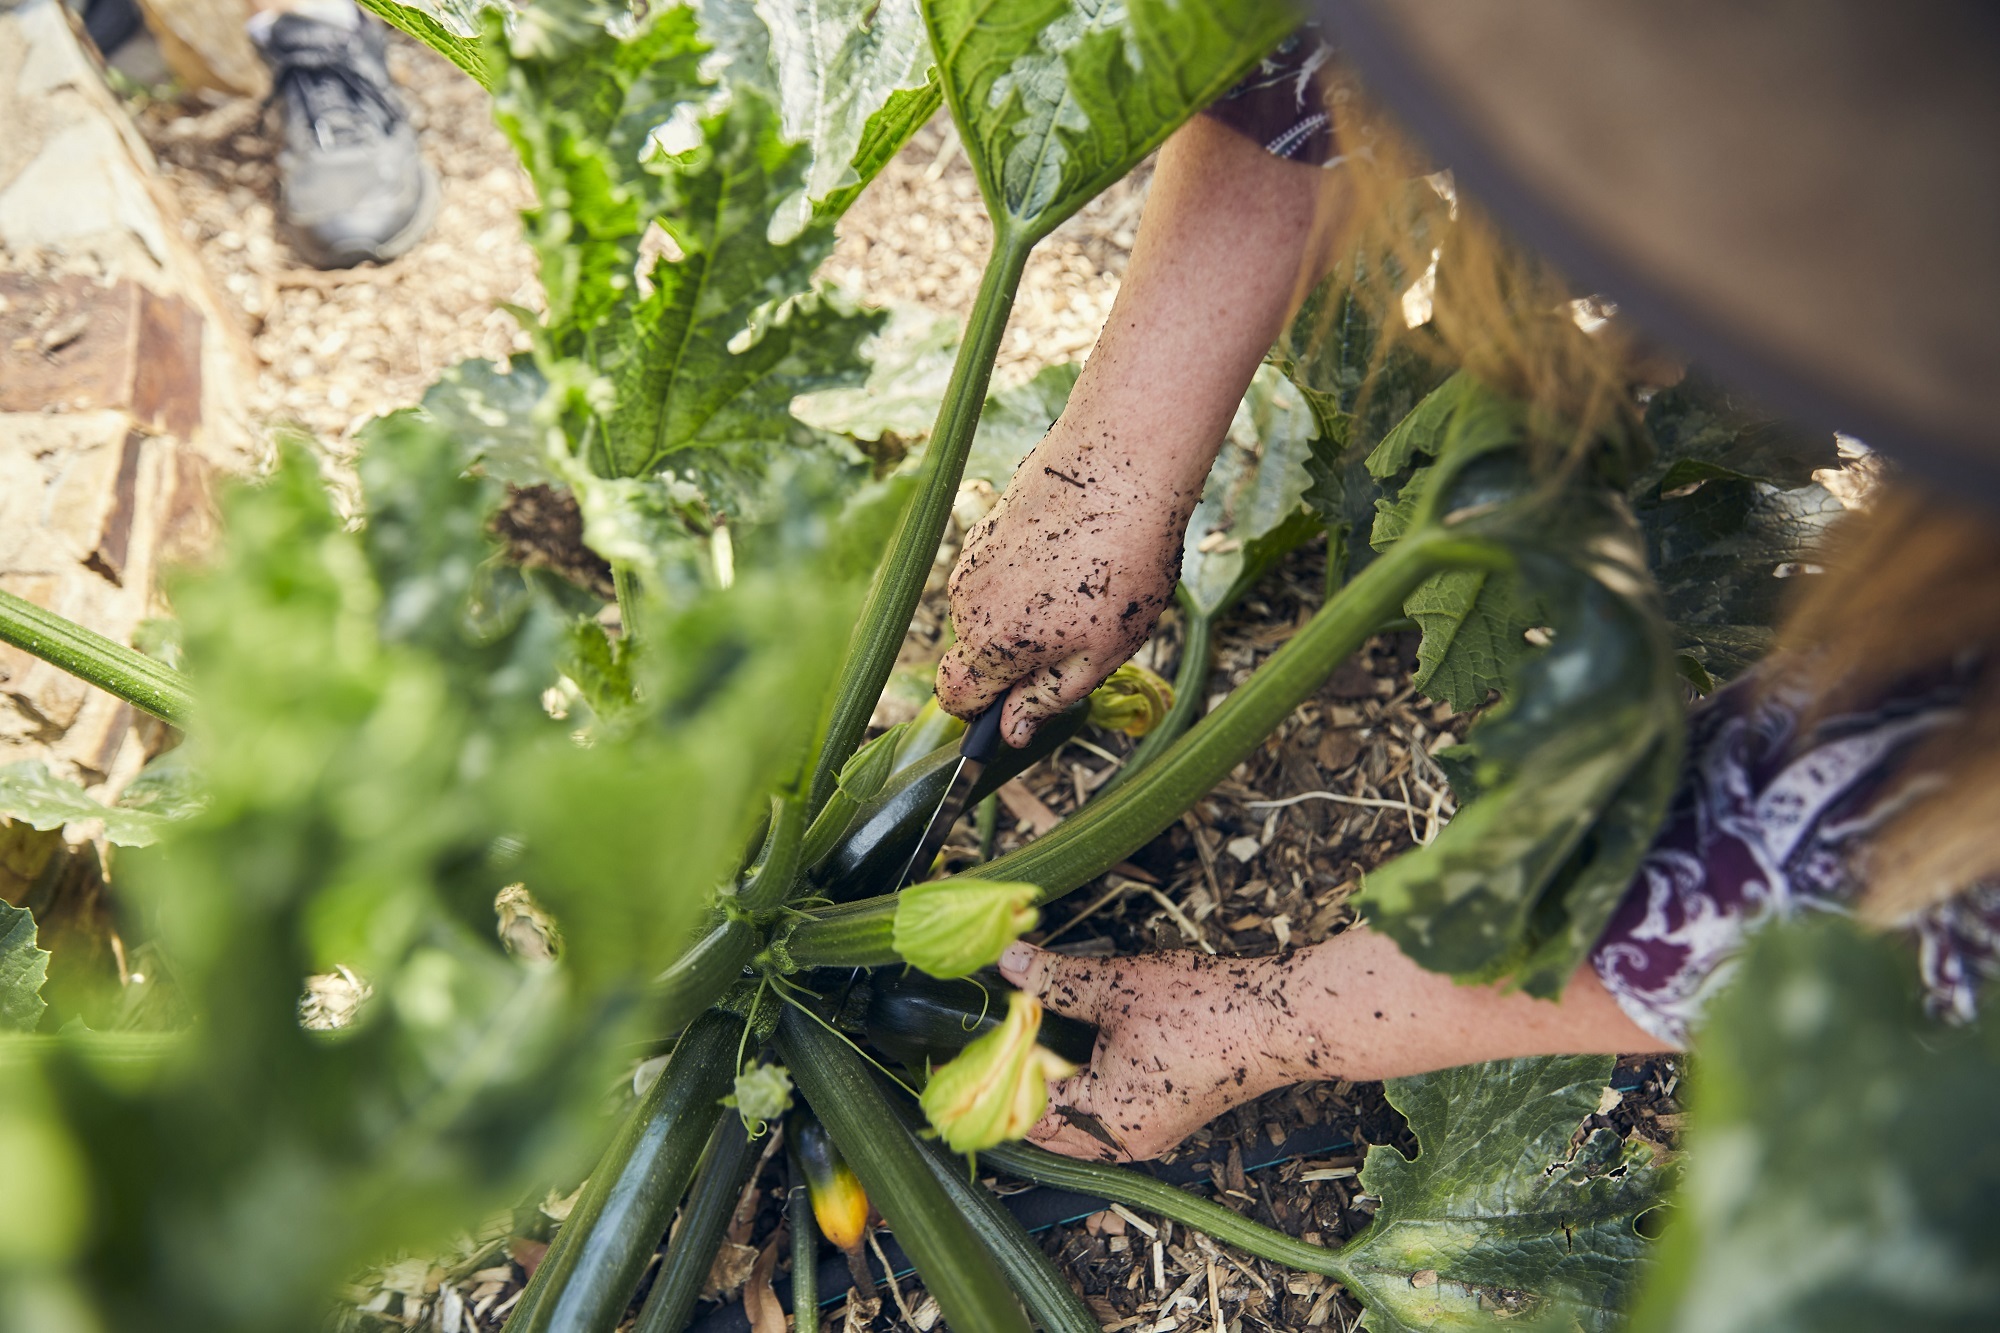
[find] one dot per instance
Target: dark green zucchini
(594, 1266)
(918, 1018)
(724, 1169)
(888, 827)
(1050, 1299)
(956, 1268)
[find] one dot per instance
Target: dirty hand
(1062, 581)
(1182, 1037)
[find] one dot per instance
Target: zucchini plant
(392, 725)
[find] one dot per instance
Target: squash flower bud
(953, 927)
(998, 1087)
(1132, 699)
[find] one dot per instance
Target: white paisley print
(1768, 824)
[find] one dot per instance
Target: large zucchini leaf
(1574, 769)
(851, 79)
(1059, 98)
(1505, 1213)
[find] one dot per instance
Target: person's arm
(1064, 579)
(1182, 1037)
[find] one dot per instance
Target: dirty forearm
(1356, 1007)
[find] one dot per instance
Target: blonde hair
(1912, 583)
(1912, 587)
(1406, 238)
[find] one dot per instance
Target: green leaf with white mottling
(909, 364)
(1251, 510)
(33, 795)
(1015, 420)
(451, 30)
(838, 65)
(725, 341)
(1500, 1216)
(491, 415)
(1843, 1175)
(581, 106)
(1056, 99)
(23, 969)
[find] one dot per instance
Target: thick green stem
(1135, 1190)
(772, 882)
(899, 580)
(1190, 690)
(625, 584)
(805, 1260)
(724, 1170)
(89, 656)
(1105, 832)
(704, 973)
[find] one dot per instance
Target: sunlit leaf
(1251, 510)
(690, 371)
(839, 64)
(36, 797)
(450, 29)
(909, 364)
(1057, 99)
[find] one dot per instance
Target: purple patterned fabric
(1281, 104)
(1768, 824)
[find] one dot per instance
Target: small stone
(1424, 1277)
(1244, 849)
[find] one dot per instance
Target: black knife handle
(982, 739)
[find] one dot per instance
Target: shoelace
(341, 102)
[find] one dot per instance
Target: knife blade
(979, 747)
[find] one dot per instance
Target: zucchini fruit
(589, 1274)
(889, 826)
(839, 1204)
(890, 1162)
(725, 1168)
(921, 1020)
(1048, 1295)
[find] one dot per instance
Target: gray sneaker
(355, 187)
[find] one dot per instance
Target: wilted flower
(763, 1093)
(1133, 700)
(998, 1087)
(954, 927)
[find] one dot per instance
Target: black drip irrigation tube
(1037, 1208)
